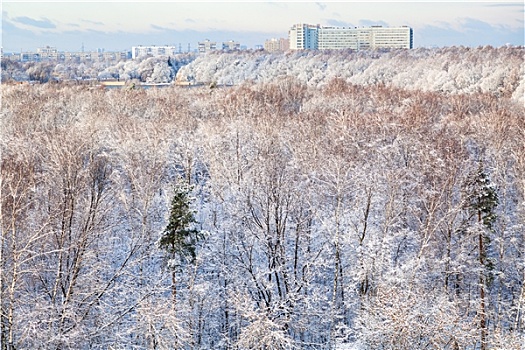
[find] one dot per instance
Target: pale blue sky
(119, 25)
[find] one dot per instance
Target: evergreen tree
(481, 197)
(179, 238)
(481, 200)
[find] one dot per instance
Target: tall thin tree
(481, 200)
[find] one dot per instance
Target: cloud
(475, 25)
(17, 39)
(338, 23)
(472, 32)
(495, 35)
(369, 23)
(43, 24)
(92, 22)
(278, 4)
(156, 27)
(506, 5)
(321, 6)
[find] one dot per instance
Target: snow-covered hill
(451, 70)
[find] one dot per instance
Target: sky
(119, 25)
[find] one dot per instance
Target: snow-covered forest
(304, 209)
(146, 69)
(450, 69)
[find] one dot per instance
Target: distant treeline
(499, 71)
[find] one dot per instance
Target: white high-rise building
(306, 36)
(303, 36)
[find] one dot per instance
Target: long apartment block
(317, 37)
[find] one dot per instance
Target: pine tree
(481, 200)
(481, 197)
(180, 237)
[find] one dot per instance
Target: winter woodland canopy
(317, 201)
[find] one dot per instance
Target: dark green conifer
(180, 236)
(481, 197)
(481, 200)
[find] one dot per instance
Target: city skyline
(119, 25)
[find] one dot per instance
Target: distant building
(277, 45)
(207, 46)
(112, 56)
(308, 36)
(48, 53)
(231, 46)
(153, 51)
(303, 36)
(391, 37)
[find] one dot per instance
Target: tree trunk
(173, 289)
(482, 316)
